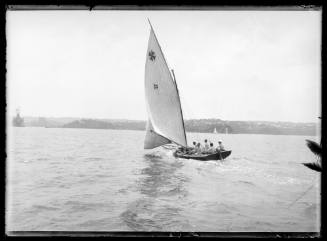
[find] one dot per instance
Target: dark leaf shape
(314, 166)
(314, 147)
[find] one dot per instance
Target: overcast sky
(231, 65)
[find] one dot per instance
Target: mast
(180, 105)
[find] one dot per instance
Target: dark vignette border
(277, 5)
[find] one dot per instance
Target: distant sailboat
(215, 131)
(165, 117)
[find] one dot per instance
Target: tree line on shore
(198, 125)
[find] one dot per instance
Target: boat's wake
(153, 155)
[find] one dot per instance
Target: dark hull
(205, 157)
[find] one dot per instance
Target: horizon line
(208, 118)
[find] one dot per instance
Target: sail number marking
(152, 55)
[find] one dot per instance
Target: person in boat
(198, 148)
(189, 150)
(181, 149)
(194, 144)
(185, 150)
(193, 149)
(212, 149)
(220, 146)
(206, 145)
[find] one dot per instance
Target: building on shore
(18, 121)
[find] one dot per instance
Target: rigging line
(302, 194)
(189, 113)
(188, 109)
(180, 105)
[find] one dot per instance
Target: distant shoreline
(67, 119)
(192, 126)
(186, 131)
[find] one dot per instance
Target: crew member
(211, 149)
(194, 144)
(198, 148)
(220, 146)
(206, 145)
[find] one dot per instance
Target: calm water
(103, 180)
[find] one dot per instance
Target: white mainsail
(215, 131)
(165, 118)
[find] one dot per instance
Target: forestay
(165, 123)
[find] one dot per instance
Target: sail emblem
(152, 55)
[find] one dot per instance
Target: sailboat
(215, 131)
(165, 123)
